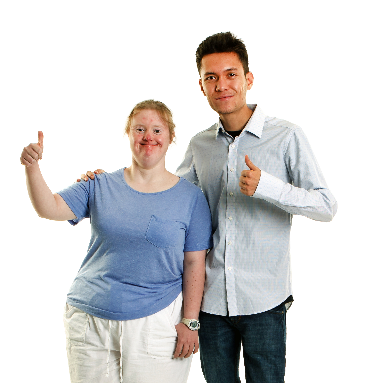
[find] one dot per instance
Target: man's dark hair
(221, 43)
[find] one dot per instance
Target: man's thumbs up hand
(249, 179)
(250, 164)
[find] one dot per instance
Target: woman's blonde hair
(163, 111)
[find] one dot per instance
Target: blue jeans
(264, 346)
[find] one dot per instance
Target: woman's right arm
(46, 204)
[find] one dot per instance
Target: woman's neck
(144, 174)
(149, 180)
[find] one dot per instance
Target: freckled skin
(149, 138)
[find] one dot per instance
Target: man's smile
(223, 98)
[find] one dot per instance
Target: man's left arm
(306, 195)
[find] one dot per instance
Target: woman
(149, 233)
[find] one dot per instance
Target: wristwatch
(192, 324)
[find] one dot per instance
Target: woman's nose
(147, 136)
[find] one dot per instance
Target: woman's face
(149, 139)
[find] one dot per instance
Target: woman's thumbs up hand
(33, 152)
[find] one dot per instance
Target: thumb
(40, 138)
(249, 163)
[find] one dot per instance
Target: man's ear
(201, 86)
(250, 80)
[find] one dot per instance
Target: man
(256, 172)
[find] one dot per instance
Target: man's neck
(236, 121)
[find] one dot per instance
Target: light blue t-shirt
(134, 263)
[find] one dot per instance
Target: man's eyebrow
(231, 69)
(225, 70)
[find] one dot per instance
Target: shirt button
(231, 193)
(230, 218)
(233, 146)
(229, 242)
(229, 268)
(232, 169)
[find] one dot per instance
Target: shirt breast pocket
(165, 233)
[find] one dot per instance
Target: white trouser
(131, 351)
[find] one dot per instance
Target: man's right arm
(187, 168)
(90, 174)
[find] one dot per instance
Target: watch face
(193, 324)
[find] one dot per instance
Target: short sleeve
(77, 197)
(199, 233)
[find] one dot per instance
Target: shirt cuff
(269, 187)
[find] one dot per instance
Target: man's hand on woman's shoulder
(91, 175)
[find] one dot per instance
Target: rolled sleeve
(269, 187)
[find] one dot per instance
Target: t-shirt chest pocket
(165, 233)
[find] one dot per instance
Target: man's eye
(232, 74)
(209, 78)
(157, 131)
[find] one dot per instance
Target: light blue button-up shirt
(248, 269)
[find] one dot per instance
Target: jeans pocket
(75, 322)
(281, 309)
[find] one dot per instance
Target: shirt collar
(254, 125)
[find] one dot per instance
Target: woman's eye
(157, 131)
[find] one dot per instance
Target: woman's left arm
(193, 288)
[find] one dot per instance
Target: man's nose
(221, 85)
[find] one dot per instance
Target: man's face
(224, 83)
